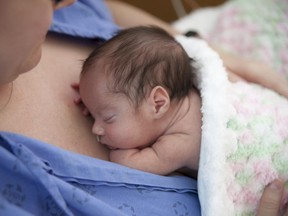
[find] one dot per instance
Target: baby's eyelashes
(109, 119)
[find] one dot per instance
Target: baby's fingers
(77, 100)
(85, 112)
(75, 86)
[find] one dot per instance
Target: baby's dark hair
(140, 58)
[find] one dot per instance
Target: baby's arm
(146, 159)
(163, 157)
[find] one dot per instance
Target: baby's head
(140, 58)
(130, 66)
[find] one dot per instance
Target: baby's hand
(78, 101)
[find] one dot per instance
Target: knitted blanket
(244, 137)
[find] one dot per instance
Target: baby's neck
(189, 107)
(186, 118)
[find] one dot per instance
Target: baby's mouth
(111, 147)
(98, 138)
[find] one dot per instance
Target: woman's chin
(7, 80)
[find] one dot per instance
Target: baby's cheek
(121, 138)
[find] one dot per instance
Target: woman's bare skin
(41, 105)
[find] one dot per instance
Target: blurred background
(170, 10)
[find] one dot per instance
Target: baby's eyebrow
(107, 106)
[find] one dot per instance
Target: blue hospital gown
(40, 179)
(86, 19)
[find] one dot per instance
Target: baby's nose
(97, 129)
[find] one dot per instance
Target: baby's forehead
(98, 67)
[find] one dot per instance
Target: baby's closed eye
(109, 119)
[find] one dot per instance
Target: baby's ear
(159, 100)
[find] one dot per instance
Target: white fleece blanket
(244, 137)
